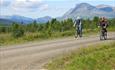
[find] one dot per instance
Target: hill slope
(88, 11)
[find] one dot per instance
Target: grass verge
(98, 57)
(7, 39)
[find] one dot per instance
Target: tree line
(49, 28)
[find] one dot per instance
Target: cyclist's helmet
(78, 17)
(103, 19)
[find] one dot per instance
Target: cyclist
(78, 26)
(103, 24)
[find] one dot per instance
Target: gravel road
(32, 56)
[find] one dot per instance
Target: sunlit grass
(96, 57)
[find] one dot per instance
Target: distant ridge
(21, 19)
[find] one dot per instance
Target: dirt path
(32, 56)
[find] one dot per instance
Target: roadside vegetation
(20, 32)
(95, 57)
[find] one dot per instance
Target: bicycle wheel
(101, 35)
(105, 35)
(76, 34)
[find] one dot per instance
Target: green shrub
(67, 33)
(17, 33)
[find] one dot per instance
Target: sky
(41, 8)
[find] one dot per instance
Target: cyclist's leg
(105, 34)
(81, 32)
(76, 33)
(101, 34)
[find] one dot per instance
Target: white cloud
(27, 4)
(44, 7)
(24, 5)
(4, 3)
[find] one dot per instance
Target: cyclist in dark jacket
(103, 24)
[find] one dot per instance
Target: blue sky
(40, 8)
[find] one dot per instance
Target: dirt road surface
(32, 56)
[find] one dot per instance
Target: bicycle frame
(78, 33)
(103, 34)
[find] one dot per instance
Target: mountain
(102, 6)
(108, 9)
(43, 19)
(105, 8)
(5, 22)
(22, 19)
(18, 19)
(86, 10)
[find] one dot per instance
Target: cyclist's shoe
(75, 36)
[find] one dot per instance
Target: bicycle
(78, 33)
(103, 34)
